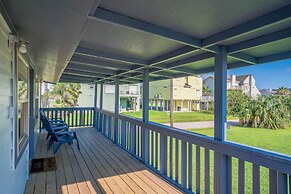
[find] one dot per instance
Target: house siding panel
(12, 180)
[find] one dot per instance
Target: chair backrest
(47, 125)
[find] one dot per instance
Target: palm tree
(206, 91)
(68, 93)
(283, 91)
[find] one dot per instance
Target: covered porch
(124, 42)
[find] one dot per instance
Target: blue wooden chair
(60, 137)
(56, 124)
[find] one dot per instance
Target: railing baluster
(151, 133)
(156, 149)
(289, 184)
(197, 169)
(282, 183)
(171, 157)
(272, 181)
(123, 134)
(229, 174)
(241, 177)
(184, 165)
(207, 171)
(133, 139)
(256, 179)
(177, 160)
(190, 162)
(163, 154)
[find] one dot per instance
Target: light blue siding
(12, 181)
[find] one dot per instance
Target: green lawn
(164, 117)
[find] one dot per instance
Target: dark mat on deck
(43, 165)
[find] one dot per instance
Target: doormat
(43, 165)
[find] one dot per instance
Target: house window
(22, 103)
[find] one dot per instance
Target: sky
(269, 75)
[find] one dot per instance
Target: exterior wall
(160, 90)
(109, 96)
(12, 181)
(209, 82)
(86, 99)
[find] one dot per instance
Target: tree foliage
(237, 101)
(206, 91)
(283, 91)
(67, 93)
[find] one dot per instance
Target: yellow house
(187, 94)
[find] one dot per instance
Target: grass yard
(164, 117)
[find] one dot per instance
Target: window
(22, 102)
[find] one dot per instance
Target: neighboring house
(246, 83)
(187, 93)
(129, 96)
(86, 99)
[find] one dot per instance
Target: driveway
(201, 124)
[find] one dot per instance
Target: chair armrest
(58, 128)
(57, 121)
(66, 133)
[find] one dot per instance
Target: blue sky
(269, 75)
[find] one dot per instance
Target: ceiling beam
(109, 56)
(275, 57)
(129, 22)
(91, 69)
(84, 73)
(257, 23)
(265, 39)
(90, 61)
(172, 55)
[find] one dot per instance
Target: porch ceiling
(82, 43)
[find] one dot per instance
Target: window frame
(19, 145)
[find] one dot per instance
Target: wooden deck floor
(99, 167)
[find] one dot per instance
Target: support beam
(145, 116)
(255, 24)
(269, 38)
(94, 62)
(122, 20)
(100, 107)
(116, 109)
(276, 57)
(109, 56)
(83, 73)
(91, 69)
(95, 105)
(129, 22)
(220, 73)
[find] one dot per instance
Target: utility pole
(171, 103)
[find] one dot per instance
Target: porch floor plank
(99, 167)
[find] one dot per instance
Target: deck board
(99, 167)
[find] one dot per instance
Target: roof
(98, 41)
(242, 78)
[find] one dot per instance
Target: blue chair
(56, 124)
(60, 137)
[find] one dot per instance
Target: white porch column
(151, 101)
(116, 109)
(182, 103)
(222, 175)
(191, 105)
(145, 116)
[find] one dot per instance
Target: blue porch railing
(74, 117)
(184, 158)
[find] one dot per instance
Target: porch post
(145, 115)
(101, 106)
(116, 109)
(95, 106)
(222, 180)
